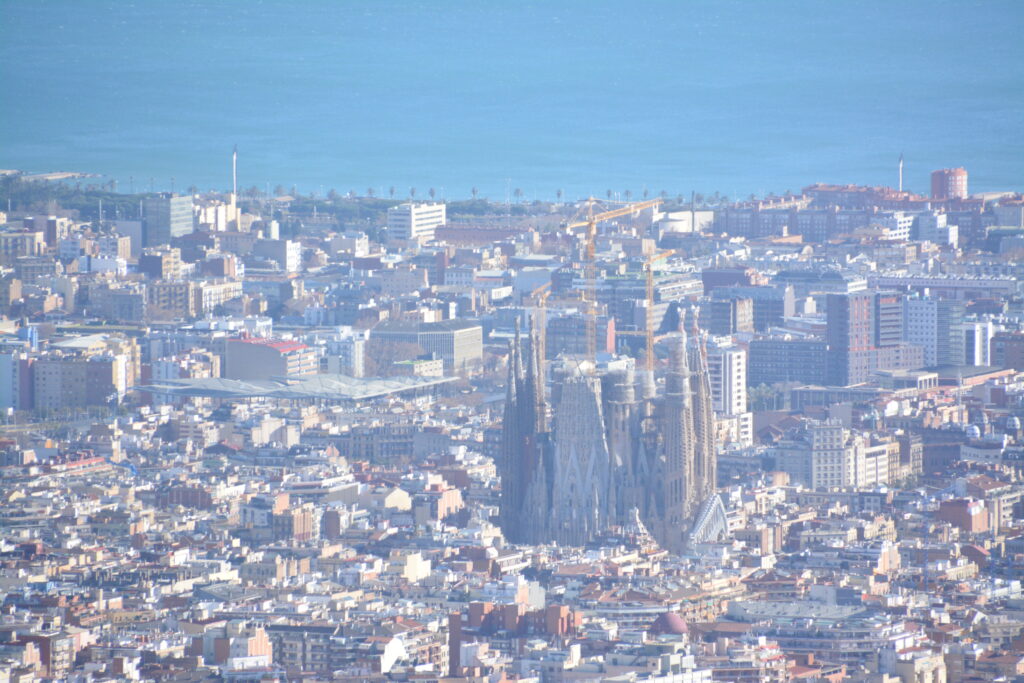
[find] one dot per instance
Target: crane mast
(590, 266)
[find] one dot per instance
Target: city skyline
(558, 342)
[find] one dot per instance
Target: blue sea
(583, 96)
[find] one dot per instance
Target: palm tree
(193, 190)
(391, 191)
(279, 191)
(332, 195)
(558, 193)
(473, 191)
(646, 192)
(664, 194)
(518, 192)
(369, 192)
(629, 195)
(432, 192)
(412, 192)
(698, 198)
(608, 193)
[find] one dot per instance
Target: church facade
(616, 448)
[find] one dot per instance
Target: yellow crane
(590, 239)
(648, 332)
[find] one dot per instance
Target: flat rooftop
(313, 387)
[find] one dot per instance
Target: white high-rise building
(977, 338)
(897, 224)
(416, 221)
(346, 354)
(932, 324)
(727, 375)
(727, 372)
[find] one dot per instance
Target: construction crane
(648, 332)
(589, 266)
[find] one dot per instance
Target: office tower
(888, 319)
(949, 183)
(459, 343)
(850, 336)
(773, 360)
(977, 339)
(415, 221)
(724, 317)
(727, 375)
(933, 324)
(771, 305)
(165, 218)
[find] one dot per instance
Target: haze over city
(539, 342)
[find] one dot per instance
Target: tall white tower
(901, 172)
(234, 172)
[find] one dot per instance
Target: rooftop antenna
(901, 171)
(234, 171)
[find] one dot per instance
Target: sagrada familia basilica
(608, 446)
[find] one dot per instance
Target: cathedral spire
(535, 382)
